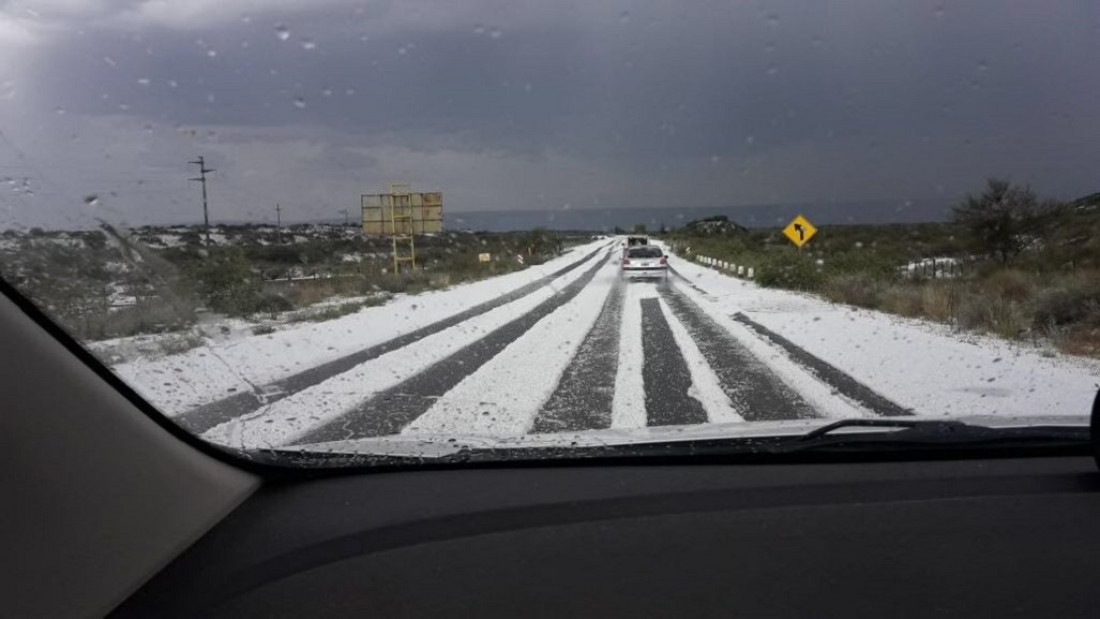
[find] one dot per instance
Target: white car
(644, 261)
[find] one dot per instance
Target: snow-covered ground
(290, 418)
(926, 366)
(221, 368)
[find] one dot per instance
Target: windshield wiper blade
(924, 425)
(932, 434)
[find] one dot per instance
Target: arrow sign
(800, 231)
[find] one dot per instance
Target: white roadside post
(750, 273)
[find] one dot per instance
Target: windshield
(644, 252)
(398, 228)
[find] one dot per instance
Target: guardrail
(736, 270)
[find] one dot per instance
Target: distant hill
(1089, 203)
(717, 225)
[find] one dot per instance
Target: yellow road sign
(800, 230)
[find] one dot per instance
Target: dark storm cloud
(642, 103)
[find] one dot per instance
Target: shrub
(940, 300)
(177, 344)
(1075, 301)
(854, 289)
(992, 315)
(1010, 284)
(789, 271)
(904, 300)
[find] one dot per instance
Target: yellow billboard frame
(401, 215)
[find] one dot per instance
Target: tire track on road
(665, 374)
(203, 418)
(830, 374)
(755, 391)
(582, 400)
(389, 411)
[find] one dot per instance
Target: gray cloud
(516, 105)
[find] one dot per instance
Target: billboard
(396, 214)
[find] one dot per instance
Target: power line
(203, 171)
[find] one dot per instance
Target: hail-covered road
(570, 349)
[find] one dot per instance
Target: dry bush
(854, 289)
(940, 300)
(1011, 285)
(904, 300)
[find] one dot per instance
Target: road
(576, 350)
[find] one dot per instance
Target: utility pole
(203, 171)
(346, 224)
(279, 222)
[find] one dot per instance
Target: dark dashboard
(996, 537)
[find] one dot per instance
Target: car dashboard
(996, 537)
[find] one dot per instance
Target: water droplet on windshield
(91, 199)
(282, 32)
(496, 33)
(479, 30)
(299, 102)
(211, 53)
(624, 17)
(173, 83)
(308, 45)
(144, 81)
(59, 110)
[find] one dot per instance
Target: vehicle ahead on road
(644, 261)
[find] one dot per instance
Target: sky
(506, 104)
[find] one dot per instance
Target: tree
(639, 228)
(1005, 219)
